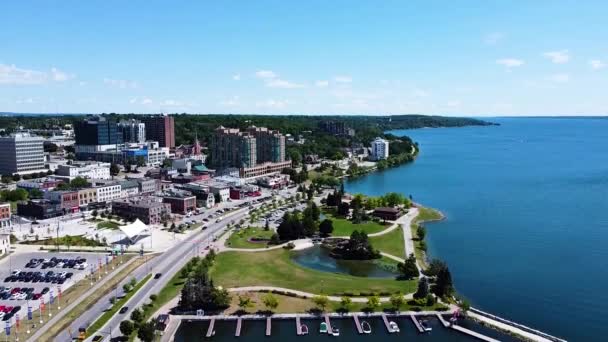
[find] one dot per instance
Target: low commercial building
(263, 169)
(5, 243)
(387, 213)
(149, 210)
(147, 186)
(87, 196)
(181, 201)
(220, 189)
(108, 192)
(68, 200)
(42, 184)
(206, 200)
(84, 170)
(39, 209)
(5, 216)
(128, 188)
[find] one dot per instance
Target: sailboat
(367, 329)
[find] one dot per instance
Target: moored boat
(304, 329)
(367, 329)
(323, 328)
(425, 325)
(335, 331)
(394, 327)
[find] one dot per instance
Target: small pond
(318, 258)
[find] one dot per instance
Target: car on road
(157, 275)
(123, 310)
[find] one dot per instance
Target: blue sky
(317, 57)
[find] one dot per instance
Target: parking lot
(28, 278)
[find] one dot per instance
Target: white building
(91, 171)
(157, 156)
(5, 243)
(21, 153)
(108, 192)
(379, 149)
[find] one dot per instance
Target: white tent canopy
(134, 229)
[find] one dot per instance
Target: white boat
(335, 331)
(304, 329)
(425, 326)
(394, 327)
(367, 329)
(323, 328)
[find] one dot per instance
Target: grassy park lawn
(107, 225)
(275, 268)
(344, 227)
(240, 239)
(424, 214)
(391, 243)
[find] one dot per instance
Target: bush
(126, 327)
(153, 297)
(289, 246)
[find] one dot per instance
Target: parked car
(123, 310)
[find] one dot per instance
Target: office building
(160, 128)
(108, 192)
(146, 209)
(39, 209)
(84, 170)
(97, 131)
(21, 153)
(133, 131)
(379, 149)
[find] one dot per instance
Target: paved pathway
(306, 294)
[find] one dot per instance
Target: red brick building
(181, 203)
(161, 128)
(5, 215)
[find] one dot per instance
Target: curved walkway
(306, 294)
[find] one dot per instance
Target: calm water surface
(526, 235)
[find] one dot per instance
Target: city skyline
(470, 59)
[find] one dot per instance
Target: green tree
(126, 328)
(346, 303)
(373, 302)
(146, 331)
(16, 177)
(408, 269)
(78, 183)
(321, 302)
(423, 288)
(421, 232)
(137, 316)
(464, 306)
(397, 300)
(36, 193)
(67, 240)
(140, 161)
(245, 302)
(443, 285)
(114, 169)
(326, 227)
(430, 300)
(270, 301)
(126, 288)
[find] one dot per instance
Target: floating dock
(239, 325)
(298, 326)
(358, 324)
(329, 328)
(473, 333)
(210, 330)
(443, 321)
(268, 326)
(388, 326)
(417, 324)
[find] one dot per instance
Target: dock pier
(210, 330)
(298, 326)
(268, 326)
(388, 326)
(239, 324)
(329, 328)
(443, 321)
(358, 324)
(417, 324)
(473, 333)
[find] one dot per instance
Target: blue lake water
(526, 234)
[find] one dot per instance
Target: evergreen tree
(443, 286)
(408, 269)
(326, 227)
(423, 288)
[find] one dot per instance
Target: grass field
(275, 268)
(241, 238)
(424, 214)
(344, 227)
(391, 243)
(107, 225)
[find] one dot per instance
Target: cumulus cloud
(322, 84)
(343, 79)
(143, 100)
(510, 62)
(272, 80)
(11, 74)
(122, 84)
(558, 57)
(596, 64)
(560, 78)
(171, 103)
(265, 74)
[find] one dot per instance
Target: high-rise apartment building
(270, 144)
(21, 153)
(160, 128)
(379, 149)
(133, 131)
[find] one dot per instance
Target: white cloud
(596, 64)
(146, 101)
(279, 83)
(143, 101)
(420, 93)
(272, 104)
(493, 38)
(236, 77)
(265, 74)
(171, 103)
(560, 78)
(558, 57)
(133, 100)
(11, 74)
(322, 84)
(343, 79)
(122, 84)
(510, 62)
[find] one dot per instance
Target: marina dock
(298, 326)
(443, 321)
(329, 328)
(358, 324)
(239, 324)
(417, 324)
(473, 333)
(210, 330)
(388, 326)
(268, 326)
